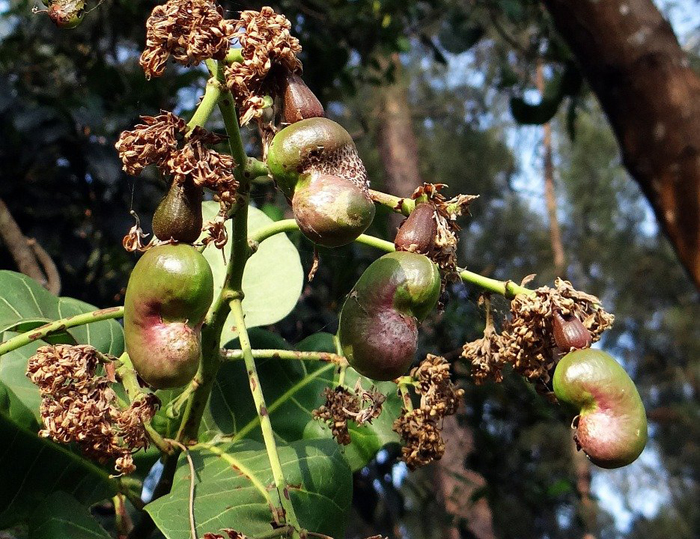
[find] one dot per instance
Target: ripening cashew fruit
(179, 215)
(66, 14)
(378, 328)
(169, 292)
(316, 165)
(611, 427)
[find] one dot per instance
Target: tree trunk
(398, 146)
(549, 193)
(453, 483)
(634, 64)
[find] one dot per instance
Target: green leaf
(22, 404)
(61, 515)
(293, 389)
(273, 276)
(233, 489)
(25, 304)
(31, 468)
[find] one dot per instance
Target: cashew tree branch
(633, 62)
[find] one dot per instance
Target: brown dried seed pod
(299, 102)
(418, 231)
(569, 332)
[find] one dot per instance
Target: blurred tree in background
(431, 91)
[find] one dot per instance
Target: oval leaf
(234, 489)
(293, 389)
(31, 468)
(273, 276)
(61, 515)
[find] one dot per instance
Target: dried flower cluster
(342, 404)
(447, 212)
(420, 428)
(265, 41)
(161, 140)
(150, 143)
(190, 31)
(527, 341)
(78, 406)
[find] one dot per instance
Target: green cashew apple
(166, 301)
(179, 215)
(611, 427)
(316, 165)
(378, 328)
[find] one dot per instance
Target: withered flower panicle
(419, 429)
(265, 40)
(343, 405)
(151, 142)
(205, 167)
(77, 405)
(190, 31)
(527, 341)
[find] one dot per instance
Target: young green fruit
(179, 215)
(315, 164)
(378, 328)
(611, 427)
(169, 292)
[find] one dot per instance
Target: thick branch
(30, 258)
(634, 64)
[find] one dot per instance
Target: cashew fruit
(611, 427)
(169, 292)
(179, 215)
(315, 164)
(378, 328)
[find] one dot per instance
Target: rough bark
(549, 192)
(634, 64)
(30, 257)
(397, 142)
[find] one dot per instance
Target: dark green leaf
(31, 468)
(233, 489)
(293, 389)
(61, 515)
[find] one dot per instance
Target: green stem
(396, 204)
(256, 168)
(212, 92)
(233, 56)
(264, 416)
(326, 357)
(134, 391)
(60, 326)
(406, 397)
(505, 288)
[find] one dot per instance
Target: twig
(193, 527)
(23, 253)
(58, 326)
